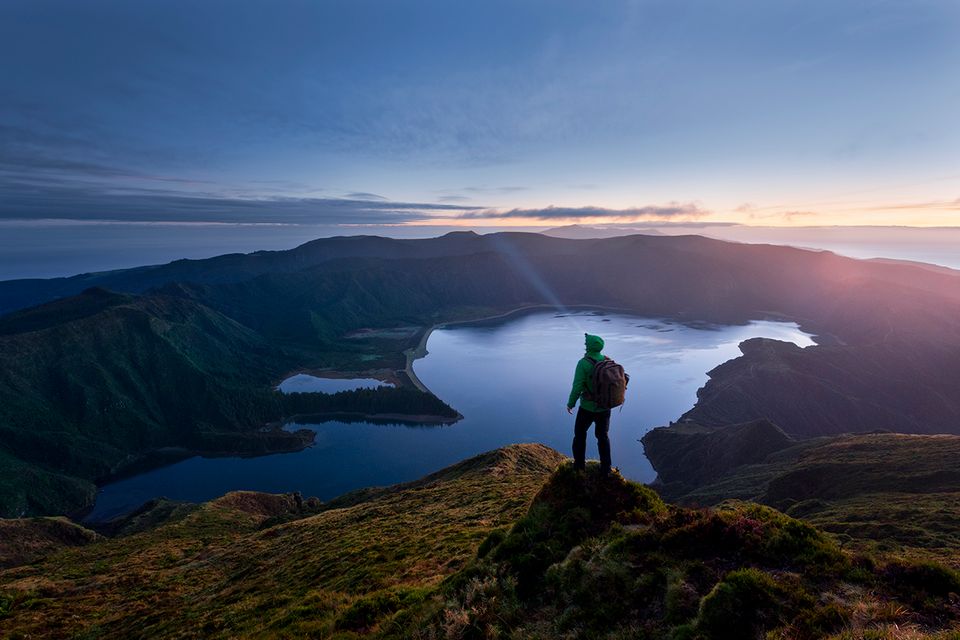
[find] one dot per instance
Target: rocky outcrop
(688, 455)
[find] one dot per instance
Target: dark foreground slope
(889, 356)
(497, 546)
(604, 558)
(253, 564)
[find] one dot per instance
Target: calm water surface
(305, 383)
(510, 381)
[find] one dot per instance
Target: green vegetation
(107, 384)
(81, 398)
(639, 568)
(369, 403)
(23, 541)
(221, 569)
(504, 545)
(879, 492)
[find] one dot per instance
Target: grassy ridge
(229, 568)
(885, 491)
(506, 544)
(603, 558)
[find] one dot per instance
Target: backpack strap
(587, 394)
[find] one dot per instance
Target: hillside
(253, 563)
(95, 384)
(900, 384)
(890, 491)
(105, 384)
(502, 545)
(889, 353)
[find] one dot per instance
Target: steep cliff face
(898, 385)
(688, 455)
(91, 383)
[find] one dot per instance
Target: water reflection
(305, 383)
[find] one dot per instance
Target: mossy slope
(880, 491)
(226, 569)
(608, 559)
(504, 545)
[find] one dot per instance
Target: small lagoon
(510, 381)
(305, 383)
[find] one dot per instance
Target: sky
(359, 114)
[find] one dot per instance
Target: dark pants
(602, 421)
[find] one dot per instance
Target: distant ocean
(46, 250)
(934, 254)
(939, 246)
(51, 250)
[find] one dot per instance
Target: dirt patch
(26, 540)
(254, 503)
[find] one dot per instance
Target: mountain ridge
(889, 352)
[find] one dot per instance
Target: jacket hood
(593, 343)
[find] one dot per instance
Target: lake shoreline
(420, 350)
(388, 377)
(546, 328)
(406, 419)
(273, 441)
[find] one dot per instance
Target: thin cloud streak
(75, 202)
(670, 211)
(947, 205)
(365, 195)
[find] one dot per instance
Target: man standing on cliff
(599, 384)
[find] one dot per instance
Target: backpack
(609, 384)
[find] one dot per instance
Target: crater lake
(509, 379)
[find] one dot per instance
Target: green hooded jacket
(582, 375)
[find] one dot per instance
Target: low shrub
(494, 538)
(820, 621)
(484, 605)
(570, 508)
(592, 588)
(681, 601)
(742, 605)
(370, 609)
(6, 605)
(750, 532)
(924, 577)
